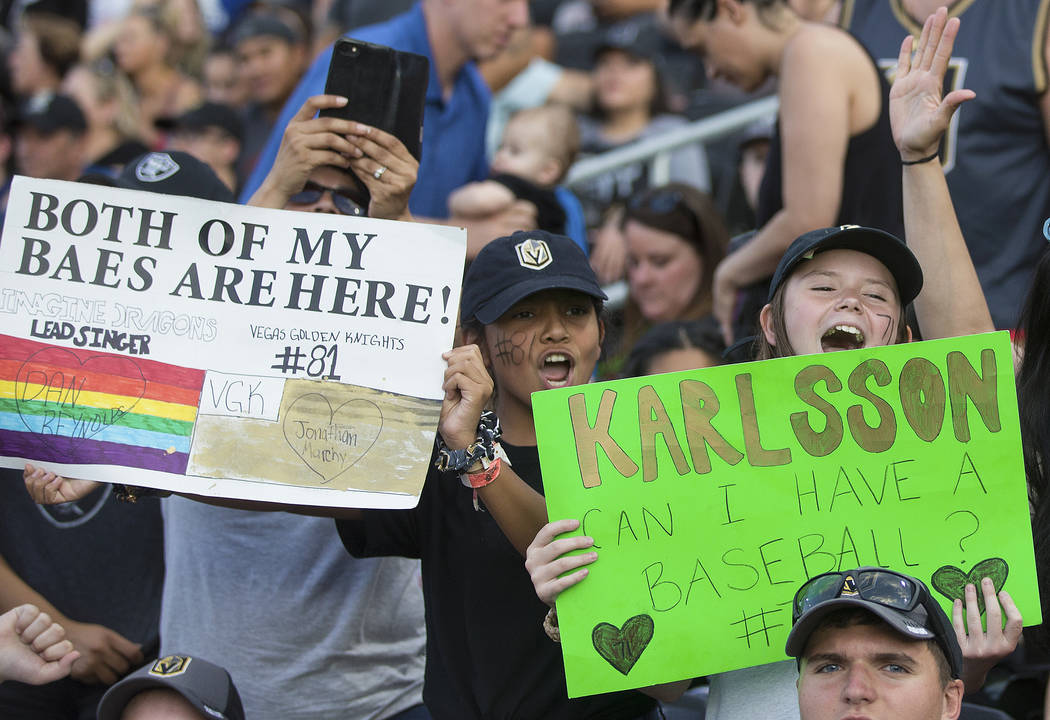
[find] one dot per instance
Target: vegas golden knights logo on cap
(170, 665)
(849, 587)
(533, 254)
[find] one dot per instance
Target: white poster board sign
(222, 350)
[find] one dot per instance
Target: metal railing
(657, 152)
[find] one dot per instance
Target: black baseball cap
(50, 113)
(640, 39)
(207, 687)
(206, 115)
(513, 267)
(262, 24)
(170, 173)
(881, 245)
(923, 620)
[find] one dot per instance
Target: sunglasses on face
(876, 585)
(312, 192)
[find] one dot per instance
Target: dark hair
(683, 210)
(851, 617)
(764, 350)
(1034, 413)
(707, 9)
(703, 334)
(58, 39)
(659, 103)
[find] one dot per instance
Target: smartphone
(386, 89)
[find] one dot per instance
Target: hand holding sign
(983, 648)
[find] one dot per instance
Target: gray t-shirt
(765, 691)
(306, 631)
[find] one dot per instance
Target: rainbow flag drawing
(69, 405)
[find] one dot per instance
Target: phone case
(386, 89)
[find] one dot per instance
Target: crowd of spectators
(228, 91)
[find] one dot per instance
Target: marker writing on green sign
(925, 400)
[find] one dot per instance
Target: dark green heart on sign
(951, 582)
(622, 646)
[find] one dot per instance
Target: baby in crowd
(538, 146)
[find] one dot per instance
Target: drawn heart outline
(951, 582)
(51, 359)
(622, 646)
(356, 409)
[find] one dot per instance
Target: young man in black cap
(49, 139)
(271, 57)
(873, 643)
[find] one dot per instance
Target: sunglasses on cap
(312, 192)
(660, 202)
(879, 586)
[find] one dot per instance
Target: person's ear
(733, 9)
(550, 171)
(470, 336)
(231, 148)
(953, 695)
(907, 333)
(765, 319)
(601, 331)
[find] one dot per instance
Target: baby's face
(523, 153)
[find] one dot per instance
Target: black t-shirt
(871, 193)
(487, 654)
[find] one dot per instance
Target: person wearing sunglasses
(873, 643)
(675, 238)
(319, 158)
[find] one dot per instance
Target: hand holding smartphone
(386, 89)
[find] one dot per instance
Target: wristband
(920, 161)
(483, 477)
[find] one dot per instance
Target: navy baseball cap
(207, 687)
(511, 268)
(170, 173)
(901, 601)
(881, 245)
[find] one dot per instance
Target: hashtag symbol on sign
(762, 628)
(290, 360)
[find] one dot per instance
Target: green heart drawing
(622, 647)
(951, 582)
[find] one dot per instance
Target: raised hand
(33, 649)
(547, 559)
(983, 648)
(47, 488)
(919, 115)
(468, 387)
(386, 167)
(308, 143)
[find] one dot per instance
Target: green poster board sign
(712, 494)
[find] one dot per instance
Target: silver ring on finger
(378, 174)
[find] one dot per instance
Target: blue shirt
(453, 130)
